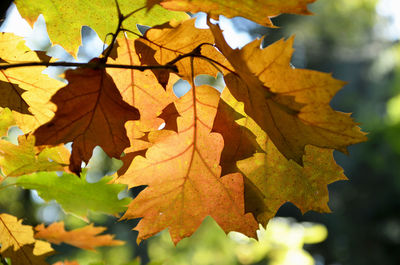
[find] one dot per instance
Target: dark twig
(90, 65)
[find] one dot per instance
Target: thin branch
(90, 65)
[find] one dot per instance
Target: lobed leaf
(259, 11)
(75, 194)
(64, 19)
(26, 91)
(26, 158)
(182, 174)
(271, 179)
(290, 105)
(86, 237)
(90, 112)
(165, 43)
(18, 244)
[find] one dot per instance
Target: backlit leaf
(184, 182)
(90, 112)
(25, 91)
(272, 180)
(290, 105)
(25, 158)
(86, 237)
(18, 244)
(258, 11)
(164, 43)
(64, 19)
(6, 121)
(75, 194)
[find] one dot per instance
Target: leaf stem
(90, 65)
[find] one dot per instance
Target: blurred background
(357, 41)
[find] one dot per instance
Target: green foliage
(76, 195)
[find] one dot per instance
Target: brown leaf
(90, 112)
(290, 105)
(86, 237)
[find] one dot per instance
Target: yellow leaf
(258, 11)
(290, 105)
(18, 244)
(26, 91)
(25, 158)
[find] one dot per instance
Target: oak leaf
(271, 179)
(86, 237)
(90, 112)
(258, 11)
(184, 183)
(64, 19)
(25, 158)
(76, 195)
(25, 91)
(18, 243)
(290, 105)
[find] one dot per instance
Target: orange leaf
(25, 91)
(90, 112)
(182, 173)
(290, 105)
(66, 262)
(18, 244)
(259, 11)
(164, 43)
(85, 237)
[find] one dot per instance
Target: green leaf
(64, 19)
(75, 194)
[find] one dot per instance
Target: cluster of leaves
(236, 156)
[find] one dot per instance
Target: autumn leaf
(66, 262)
(90, 112)
(25, 91)
(242, 142)
(64, 19)
(290, 105)
(141, 89)
(258, 11)
(271, 179)
(30, 254)
(6, 121)
(25, 158)
(86, 237)
(18, 244)
(164, 43)
(183, 183)
(76, 195)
